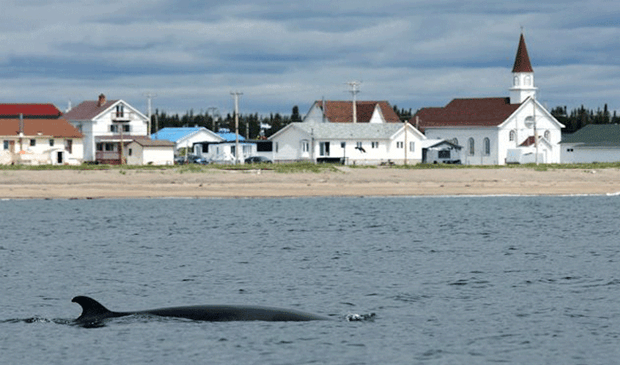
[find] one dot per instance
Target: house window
(374, 144)
(120, 111)
(69, 145)
(6, 145)
(247, 150)
(511, 136)
(343, 145)
(305, 146)
(400, 144)
(126, 128)
(33, 142)
(233, 150)
(487, 146)
(52, 142)
(277, 147)
(130, 152)
(358, 145)
(324, 148)
(547, 135)
(471, 146)
(411, 146)
(443, 154)
(114, 128)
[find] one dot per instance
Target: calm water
(523, 280)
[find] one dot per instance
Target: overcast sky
(193, 53)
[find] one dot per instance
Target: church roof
(342, 111)
(522, 60)
(474, 112)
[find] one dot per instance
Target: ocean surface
(452, 280)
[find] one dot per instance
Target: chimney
(101, 100)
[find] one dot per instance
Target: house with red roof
(29, 111)
(39, 141)
(498, 130)
(331, 111)
(108, 127)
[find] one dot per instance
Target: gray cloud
(280, 54)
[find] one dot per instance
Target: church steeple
(522, 75)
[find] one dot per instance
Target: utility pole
(149, 96)
(236, 95)
(354, 85)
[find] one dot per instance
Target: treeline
(251, 126)
(254, 126)
(580, 117)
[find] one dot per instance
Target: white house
(331, 111)
(40, 142)
(108, 126)
(500, 130)
(144, 151)
(350, 143)
(592, 143)
(187, 137)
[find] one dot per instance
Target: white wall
(588, 154)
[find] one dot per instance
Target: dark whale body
(94, 312)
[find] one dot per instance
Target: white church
(500, 130)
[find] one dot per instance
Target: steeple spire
(522, 60)
(522, 75)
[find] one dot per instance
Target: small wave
(353, 317)
(37, 320)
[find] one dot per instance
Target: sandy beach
(114, 183)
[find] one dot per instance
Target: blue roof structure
(174, 134)
(230, 137)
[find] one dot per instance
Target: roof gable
(59, 128)
(29, 111)
(89, 109)
(476, 112)
(342, 111)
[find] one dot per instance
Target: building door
(59, 157)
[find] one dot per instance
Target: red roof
(522, 60)
(479, 112)
(59, 128)
(342, 111)
(88, 110)
(29, 111)
(529, 141)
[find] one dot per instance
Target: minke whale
(94, 312)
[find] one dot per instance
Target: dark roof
(342, 111)
(595, 135)
(88, 110)
(29, 111)
(529, 141)
(60, 128)
(478, 112)
(154, 142)
(522, 60)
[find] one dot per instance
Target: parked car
(180, 160)
(258, 159)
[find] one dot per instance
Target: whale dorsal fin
(92, 310)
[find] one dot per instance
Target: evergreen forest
(255, 126)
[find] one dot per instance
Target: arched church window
(547, 135)
(528, 80)
(487, 146)
(511, 136)
(515, 81)
(471, 146)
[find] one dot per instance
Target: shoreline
(346, 182)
